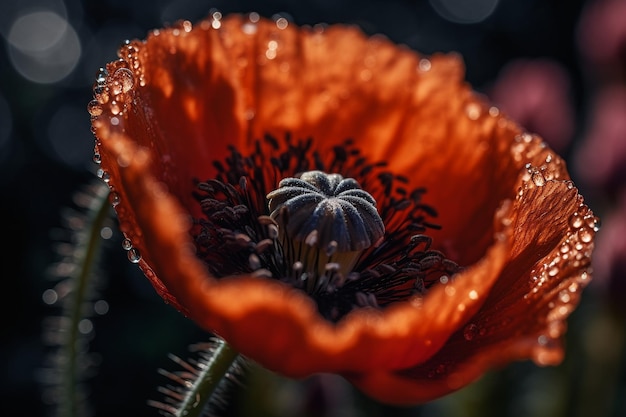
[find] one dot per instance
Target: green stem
(216, 369)
(98, 215)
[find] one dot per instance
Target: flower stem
(204, 383)
(217, 370)
(98, 214)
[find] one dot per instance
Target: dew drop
(124, 78)
(115, 108)
(101, 94)
(424, 65)
(114, 198)
(517, 148)
(594, 223)
(127, 244)
(585, 234)
(103, 175)
(94, 108)
(553, 271)
(282, 23)
(473, 111)
(538, 179)
(101, 76)
(133, 255)
(576, 221)
(254, 17)
(97, 158)
(249, 28)
(270, 54)
(470, 331)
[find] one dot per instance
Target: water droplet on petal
(473, 111)
(114, 198)
(115, 108)
(424, 65)
(282, 23)
(576, 220)
(127, 244)
(133, 255)
(94, 108)
(585, 234)
(538, 179)
(124, 78)
(101, 76)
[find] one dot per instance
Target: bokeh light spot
(464, 11)
(43, 46)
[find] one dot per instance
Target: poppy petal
(194, 91)
(302, 341)
(524, 314)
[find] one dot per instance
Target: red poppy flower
(197, 125)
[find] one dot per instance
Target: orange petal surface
(174, 103)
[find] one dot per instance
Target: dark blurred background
(557, 67)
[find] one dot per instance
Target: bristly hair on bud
(75, 293)
(204, 383)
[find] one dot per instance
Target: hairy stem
(98, 215)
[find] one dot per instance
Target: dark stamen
(325, 216)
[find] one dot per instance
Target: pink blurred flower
(601, 159)
(602, 32)
(609, 261)
(536, 94)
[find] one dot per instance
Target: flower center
(325, 222)
(341, 229)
